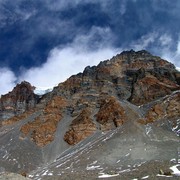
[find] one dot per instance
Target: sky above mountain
(46, 41)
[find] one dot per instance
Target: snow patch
(42, 90)
(103, 175)
(92, 167)
(125, 170)
(45, 173)
(176, 128)
(173, 160)
(145, 177)
(148, 129)
(94, 162)
(160, 175)
(175, 170)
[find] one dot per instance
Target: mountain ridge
(134, 88)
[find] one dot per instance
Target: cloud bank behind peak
(46, 41)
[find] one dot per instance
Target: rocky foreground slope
(119, 119)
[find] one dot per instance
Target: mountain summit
(119, 118)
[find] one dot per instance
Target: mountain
(119, 119)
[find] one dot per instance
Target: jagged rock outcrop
(138, 77)
(43, 128)
(111, 114)
(17, 118)
(149, 88)
(19, 100)
(80, 128)
(132, 89)
(167, 108)
(130, 75)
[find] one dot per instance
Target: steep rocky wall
(81, 127)
(94, 102)
(138, 77)
(167, 108)
(16, 102)
(111, 114)
(43, 128)
(149, 88)
(108, 116)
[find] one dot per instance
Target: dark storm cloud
(34, 32)
(30, 29)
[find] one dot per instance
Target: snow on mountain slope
(42, 90)
(117, 119)
(127, 152)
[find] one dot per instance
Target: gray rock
(12, 176)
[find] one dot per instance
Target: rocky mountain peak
(141, 53)
(120, 75)
(22, 91)
(131, 92)
(20, 99)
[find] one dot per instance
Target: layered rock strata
(19, 100)
(93, 99)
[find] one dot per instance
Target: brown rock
(135, 76)
(158, 109)
(168, 108)
(111, 114)
(17, 118)
(16, 102)
(42, 129)
(150, 88)
(80, 128)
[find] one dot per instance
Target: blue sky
(46, 41)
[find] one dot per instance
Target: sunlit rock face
(81, 127)
(134, 95)
(165, 108)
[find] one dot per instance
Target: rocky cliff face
(81, 127)
(137, 77)
(43, 128)
(165, 108)
(19, 100)
(123, 73)
(131, 86)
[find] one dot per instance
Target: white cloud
(170, 55)
(159, 44)
(71, 59)
(165, 40)
(178, 47)
(144, 41)
(62, 63)
(7, 80)
(178, 68)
